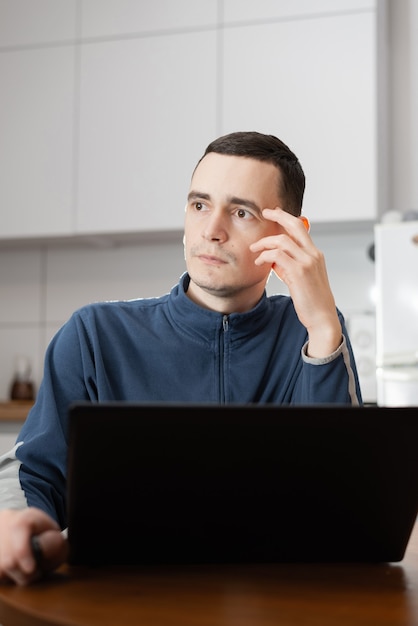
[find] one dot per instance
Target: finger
(294, 232)
(286, 220)
(37, 522)
(278, 244)
(284, 267)
(280, 273)
(18, 561)
(20, 578)
(47, 552)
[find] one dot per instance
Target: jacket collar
(196, 320)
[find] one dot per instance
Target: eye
(199, 206)
(243, 214)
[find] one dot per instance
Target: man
(216, 337)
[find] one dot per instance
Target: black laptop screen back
(228, 484)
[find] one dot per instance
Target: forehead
(237, 176)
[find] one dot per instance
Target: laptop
(205, 483)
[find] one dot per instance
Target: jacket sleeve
(34, 472)
(12, 495)
(332, 379)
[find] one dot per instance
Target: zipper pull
(225, 323)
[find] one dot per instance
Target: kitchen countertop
(14, 410)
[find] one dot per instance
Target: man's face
(223, 217)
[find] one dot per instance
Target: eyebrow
(194, 195)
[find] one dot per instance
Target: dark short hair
(270, 149)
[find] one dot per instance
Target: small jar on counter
(22, 386)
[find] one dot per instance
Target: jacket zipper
(225, 327)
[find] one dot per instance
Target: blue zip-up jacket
(165, 349)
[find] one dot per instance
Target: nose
(215, 228)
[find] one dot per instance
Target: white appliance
(396, 263)
(362, 329)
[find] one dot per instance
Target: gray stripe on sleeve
(11, 493)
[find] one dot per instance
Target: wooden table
(259, 595)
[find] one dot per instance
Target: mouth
(209, 259)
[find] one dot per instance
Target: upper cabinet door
(40, 22)
(248, 10)
(36, 145)
(133, 18)
(36, 117)
(310, 79)
(147, 110)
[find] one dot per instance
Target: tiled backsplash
(41, 287)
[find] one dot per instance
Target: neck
(223, 301)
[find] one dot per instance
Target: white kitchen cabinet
(34, 22)
(148, 105)
(116, 18)
(312, 82)
(246, 10)
(106, 105)
(147, 110)
(36, 117)
(36, 148)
